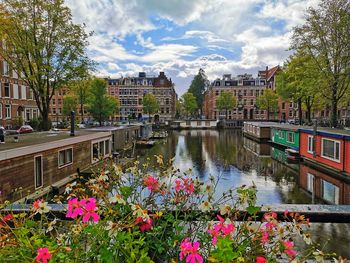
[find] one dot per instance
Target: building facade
(245, 88)
(130, 92)
(17, 104)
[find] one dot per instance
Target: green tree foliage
(150, 105)
(70, 103)
(299, 81)
(325, 37)
(198, 87)
(43, 45)
(80, 89)
(189, 103)
(179, 108)
(268, 101)
(100, 104)
(226, 101)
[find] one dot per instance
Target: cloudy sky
(181, 36)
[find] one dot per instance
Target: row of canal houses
(32, 171)
(326, 148)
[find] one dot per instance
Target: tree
(268, 101)
(198, 87)
(179, 108)
(300, 81)
(189, 103)
(100, 104)
(70, 103)
(150, 105)
(43, 45)
(325, 37)
(226, 101)
(80, 89)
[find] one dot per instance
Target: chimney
(142, 74)
(161, 74)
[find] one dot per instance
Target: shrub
(139, 214)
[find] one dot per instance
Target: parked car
(25, 129)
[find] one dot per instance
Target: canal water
(237, 161)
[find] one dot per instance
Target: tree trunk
(300, 112)
(82, 112)
(45, 119)
(334, 112)
(226, 113)
(100, 120)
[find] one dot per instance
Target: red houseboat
(326, 147)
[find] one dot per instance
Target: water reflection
(238, 160)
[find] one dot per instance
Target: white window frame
(292, 137)
(58, 157)
(98, 149)
(9, 86)
(310, 182)
(0, 111)
(42, 171)
(310, 138)
(281, 134)
(23, 92)
(15, 91)
(329, 158)
(8, 116)
(5, 68)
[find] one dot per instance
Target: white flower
(206, 206)
(69, 187)
(319, 256)
(112, 228)
(225, 209)
(103, 177)
(50, 225)
(207, 188)
(117, 199)
(307, 239)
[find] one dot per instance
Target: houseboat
(287, 136)
(259, 131)
(327, 148)
(33, 171)
(123, 137)
(322, 186)
(194, 124)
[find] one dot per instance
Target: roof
(270, 72)
(112, 128)
(262, 124)
(329, 132)
(27, 150)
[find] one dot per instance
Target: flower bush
(147, 214)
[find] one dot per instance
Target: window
(15, 91)
(310, 182)
(0, 111)
(281, 134)
(65, 157)
(28, 115)
(38, 171)
(7, 89)
(8, 111)
(310, 144)
(290, 137)
(5, 71)
(283, 105)
(100, 149)
(331, 149)
(330, 192)
(24, 92)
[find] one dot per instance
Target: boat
(145, 143)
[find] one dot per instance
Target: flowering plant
(143, 214)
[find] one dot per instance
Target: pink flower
(286, 213)
(178, 186)
(190, 251)
(151, 183)
(43, 255)
(288, 248)
(185, 248)
(265, 237)
(75, 208)
(189, 186)
(144, 224)
(89, 211)
(270, 216)
(193, 256)
(260, 259)
(37, 203)
(221, 229)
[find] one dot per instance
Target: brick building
(130, 91)
(245, 88)
(17, 104)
